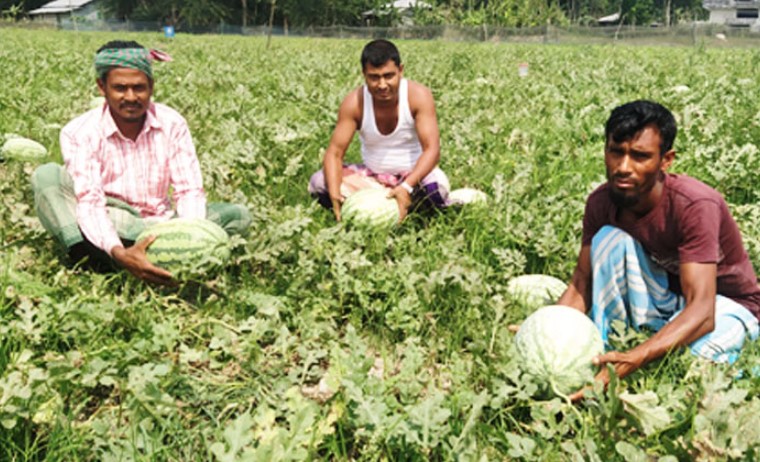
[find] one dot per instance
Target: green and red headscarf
(132, 58)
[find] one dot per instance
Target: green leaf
(237, 435)
(630, 452)
(520, 446)
(646, 412)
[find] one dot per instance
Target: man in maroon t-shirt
(660, 251)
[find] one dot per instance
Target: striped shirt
(102, 162)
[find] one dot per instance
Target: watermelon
(464, 196)
(535, 290)
(186, 243)
(556, 345)
(18, 148)
(370, 208)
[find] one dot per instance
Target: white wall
(720, 16)
(89, 11)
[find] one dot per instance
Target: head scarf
(132, 58)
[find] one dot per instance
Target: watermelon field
(322, 342)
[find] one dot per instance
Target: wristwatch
(407, 187)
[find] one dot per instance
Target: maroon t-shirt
(690, 224)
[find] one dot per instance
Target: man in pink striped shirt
(121, 160)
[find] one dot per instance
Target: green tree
(176, 12)
(305, 13)
(324, 12)
(20, 7)
(510, 13)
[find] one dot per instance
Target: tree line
(305, 13)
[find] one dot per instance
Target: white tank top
(397, 152)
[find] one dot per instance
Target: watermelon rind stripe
(182, 243)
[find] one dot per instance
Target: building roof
(60, 6)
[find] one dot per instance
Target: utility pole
(271, 22)
(71, 16)
(667, 13)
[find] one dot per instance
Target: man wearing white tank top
(400, 142)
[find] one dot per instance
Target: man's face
(127, 92)
(383, 81)
(635, 166)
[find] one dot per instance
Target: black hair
(116, 44)
(630, 118)
(379, 52)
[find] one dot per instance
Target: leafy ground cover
(322, 342)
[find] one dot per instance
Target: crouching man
(661, 251)
(398, 130)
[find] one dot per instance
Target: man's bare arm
(422, 106)
(578, 292)
(699, 285)
(426, 124)
(349, 116)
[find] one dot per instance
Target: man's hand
(624, 362)
(404, 200)
(135, 260)
(337, 202)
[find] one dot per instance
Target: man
(661, 251)
(121, 160)
(398, 129)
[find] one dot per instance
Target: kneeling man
(398, 129)
(661, 251)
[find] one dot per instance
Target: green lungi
(55, 204)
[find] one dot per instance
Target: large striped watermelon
(556, 345)
(370, 208)
(184, 243)
(535, 290)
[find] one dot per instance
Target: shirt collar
(109, 128)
